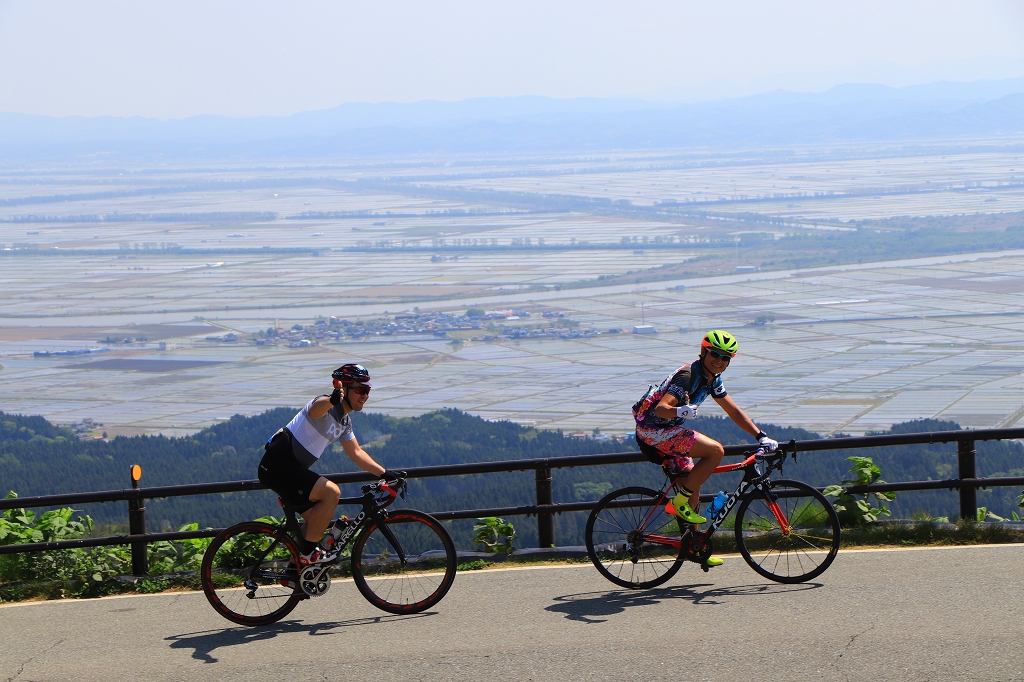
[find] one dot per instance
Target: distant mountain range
(845, 113)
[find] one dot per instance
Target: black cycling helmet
(352, 373)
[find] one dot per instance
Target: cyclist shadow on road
(589, 607)
(206, 642)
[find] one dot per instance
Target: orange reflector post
(136, 474)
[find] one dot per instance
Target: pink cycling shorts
(674, 444)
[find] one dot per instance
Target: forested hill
(39, 458)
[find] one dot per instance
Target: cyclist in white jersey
(292, 450)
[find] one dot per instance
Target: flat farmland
(137, 296)
(150, 286)
(851, 350)
(995, 175)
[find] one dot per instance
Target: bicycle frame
(373, 509)
(751, 478)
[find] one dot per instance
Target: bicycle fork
(772, 501)
(390, 537)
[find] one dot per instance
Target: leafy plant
(494, 534)
(983, 513)
(856, 509)
(79, 572)
(181, 555)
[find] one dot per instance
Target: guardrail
(966, 482)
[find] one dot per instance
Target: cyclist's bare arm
(322, 406)
(361, 458)
(666, 407)
(737, 415)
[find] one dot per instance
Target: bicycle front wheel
(249, 576)
(631, 539)
(791, 541)
(418, 583)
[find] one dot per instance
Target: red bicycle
(786, 530)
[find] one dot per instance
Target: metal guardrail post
(137, 525)
(965, 456)
(545, 521)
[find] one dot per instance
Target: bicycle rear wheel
(799, 554)
(619, 542)
(426, 575)
(243, 570)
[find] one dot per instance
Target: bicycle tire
(427, 574)
(806, 551)
(611, 536)
(230, 559)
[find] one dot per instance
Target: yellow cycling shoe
(713, 561)
(680, 506)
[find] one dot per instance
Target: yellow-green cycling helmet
(722, 341)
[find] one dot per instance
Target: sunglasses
(361, 390)
(725, 357)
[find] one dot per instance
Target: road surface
(916, 614)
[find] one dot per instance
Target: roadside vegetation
(37, 457)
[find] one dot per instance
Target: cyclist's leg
(282, 473)
(708, 453)
(325, 494)
(674, 444)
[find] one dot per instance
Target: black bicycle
(786, 530)
(403, 561)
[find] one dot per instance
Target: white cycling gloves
(686, 411)
(766, 442)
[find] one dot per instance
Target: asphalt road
(927, 614)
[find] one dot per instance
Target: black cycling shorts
(282, 473)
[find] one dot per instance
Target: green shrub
(181, 555)
(494, 534)
(856, 510)
(85, 572)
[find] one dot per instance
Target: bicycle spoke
(250, 552)
(617, 543)
(425, 577)
(812, 526)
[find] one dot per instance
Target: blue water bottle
(716, 505)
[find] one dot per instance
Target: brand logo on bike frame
(731, 502)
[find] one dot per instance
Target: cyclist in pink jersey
(661, 430)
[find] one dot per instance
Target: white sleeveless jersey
(314, 435)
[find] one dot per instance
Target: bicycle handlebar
(387, 491)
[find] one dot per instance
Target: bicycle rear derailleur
(315, 580)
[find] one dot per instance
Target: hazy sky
(173, 59)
